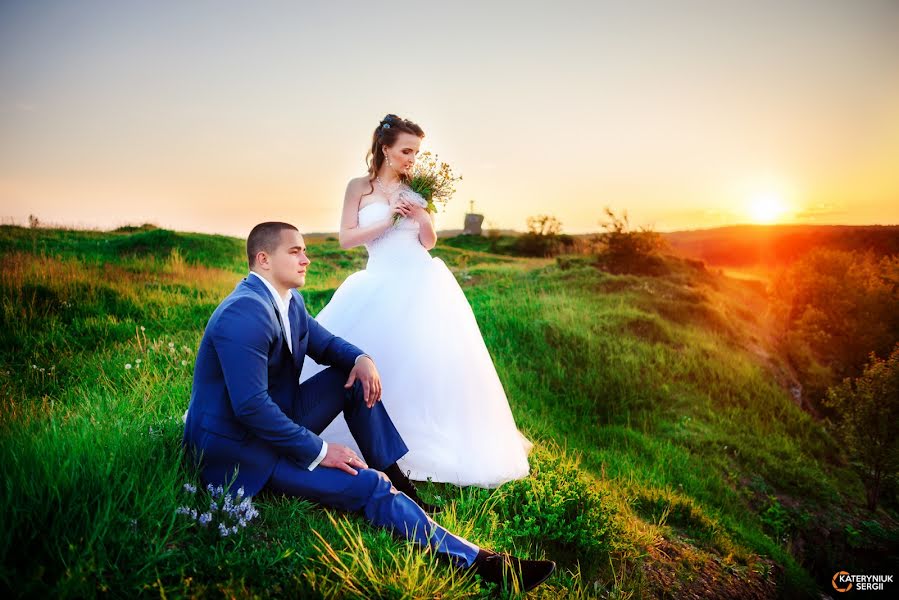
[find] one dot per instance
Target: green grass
(668, 456)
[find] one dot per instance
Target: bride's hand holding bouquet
(431, 183)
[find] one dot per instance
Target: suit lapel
(260, 288)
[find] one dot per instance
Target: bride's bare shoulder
(359, 184)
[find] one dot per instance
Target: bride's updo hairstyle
(386, 134)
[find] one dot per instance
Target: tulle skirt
(439, 384)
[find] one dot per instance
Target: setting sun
(767, 208)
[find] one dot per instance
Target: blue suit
(251, 421)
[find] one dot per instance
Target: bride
(405, 308)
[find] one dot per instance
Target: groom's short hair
(265, 237)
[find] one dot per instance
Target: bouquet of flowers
(432, 182)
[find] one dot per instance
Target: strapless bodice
(398, 248)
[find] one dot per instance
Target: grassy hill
(670, 459)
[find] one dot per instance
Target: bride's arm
(426, 234)
(351, 235)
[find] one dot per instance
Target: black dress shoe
(402, 483)
(506, 570)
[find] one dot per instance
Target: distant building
(473, 222)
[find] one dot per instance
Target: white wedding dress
(439, 384)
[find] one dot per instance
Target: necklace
(383, 188)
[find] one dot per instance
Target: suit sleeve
(325, 348)
(242, 337)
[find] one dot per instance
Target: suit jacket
(244, 405)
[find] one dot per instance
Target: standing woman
(406, 309)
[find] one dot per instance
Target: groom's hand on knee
(341, 457)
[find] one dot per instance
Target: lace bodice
(398, 248)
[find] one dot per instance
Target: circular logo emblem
(836, 582)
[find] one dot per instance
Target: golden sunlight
(767, 208)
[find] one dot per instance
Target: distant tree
(867, 421)
(627, 250)
(544, 237)
(544, 225)
(834, 308)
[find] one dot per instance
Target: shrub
(625, 250)
(557, 505)
(867, 415)
(544, 237)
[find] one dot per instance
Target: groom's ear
(262, 260)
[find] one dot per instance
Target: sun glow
(767, 207)
(769, 204)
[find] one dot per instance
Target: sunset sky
(213, 116)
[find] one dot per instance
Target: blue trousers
(323, 397)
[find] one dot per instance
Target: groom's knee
(355, 395)
(369, 484)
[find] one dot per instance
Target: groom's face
(289, 260)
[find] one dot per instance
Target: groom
(250, 423)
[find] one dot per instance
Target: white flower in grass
(138, 361)
(127, 366)
(183, 363)
(142, 328)
(190, 489)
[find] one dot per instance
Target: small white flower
(171, 344)
(127, 366)
(183, 363)
(138, 361)
(142, 328)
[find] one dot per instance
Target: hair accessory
(385, 126)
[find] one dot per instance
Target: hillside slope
(670, 459)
